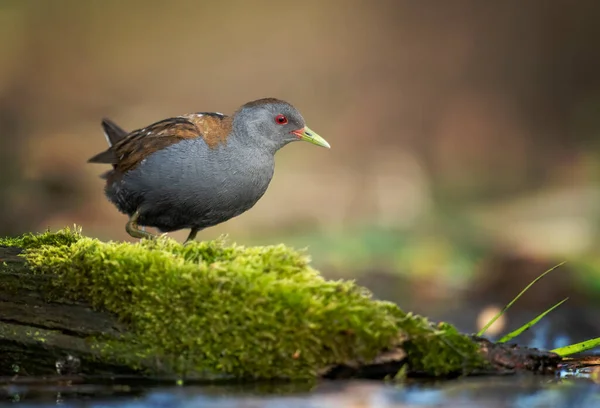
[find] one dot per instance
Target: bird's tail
(112, 131)
(113, 134)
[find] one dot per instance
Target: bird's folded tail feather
(112, 131)
(107, 156)
(113, 134)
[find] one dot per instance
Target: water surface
(509, 391)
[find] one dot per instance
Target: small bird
(200, 169)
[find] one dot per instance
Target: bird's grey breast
(209, 183)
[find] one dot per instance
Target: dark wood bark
(40, 337)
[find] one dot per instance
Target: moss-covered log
(204, 310)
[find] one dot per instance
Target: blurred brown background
(465, 134)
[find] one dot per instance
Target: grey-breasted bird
(200, 169)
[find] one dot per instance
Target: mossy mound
(208, 308)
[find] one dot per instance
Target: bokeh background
(465, 136)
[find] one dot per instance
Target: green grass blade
(527, 326)
(577, 347)
(505, 308)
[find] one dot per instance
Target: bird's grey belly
(190, 186)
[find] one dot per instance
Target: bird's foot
(134, 229)
(192, 236)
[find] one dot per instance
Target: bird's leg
(133, 229)
(192, 235)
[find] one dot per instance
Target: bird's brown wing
(128, 152)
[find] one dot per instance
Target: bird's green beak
(308, 135)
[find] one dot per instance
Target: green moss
(18, 333)
(219, 309)
(65, 236)
(441, 350)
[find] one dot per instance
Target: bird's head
(274, 123)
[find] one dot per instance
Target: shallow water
(509, 391)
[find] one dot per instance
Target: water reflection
(513, 391)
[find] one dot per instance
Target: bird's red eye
(281, 119)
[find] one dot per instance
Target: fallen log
(74, 305)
